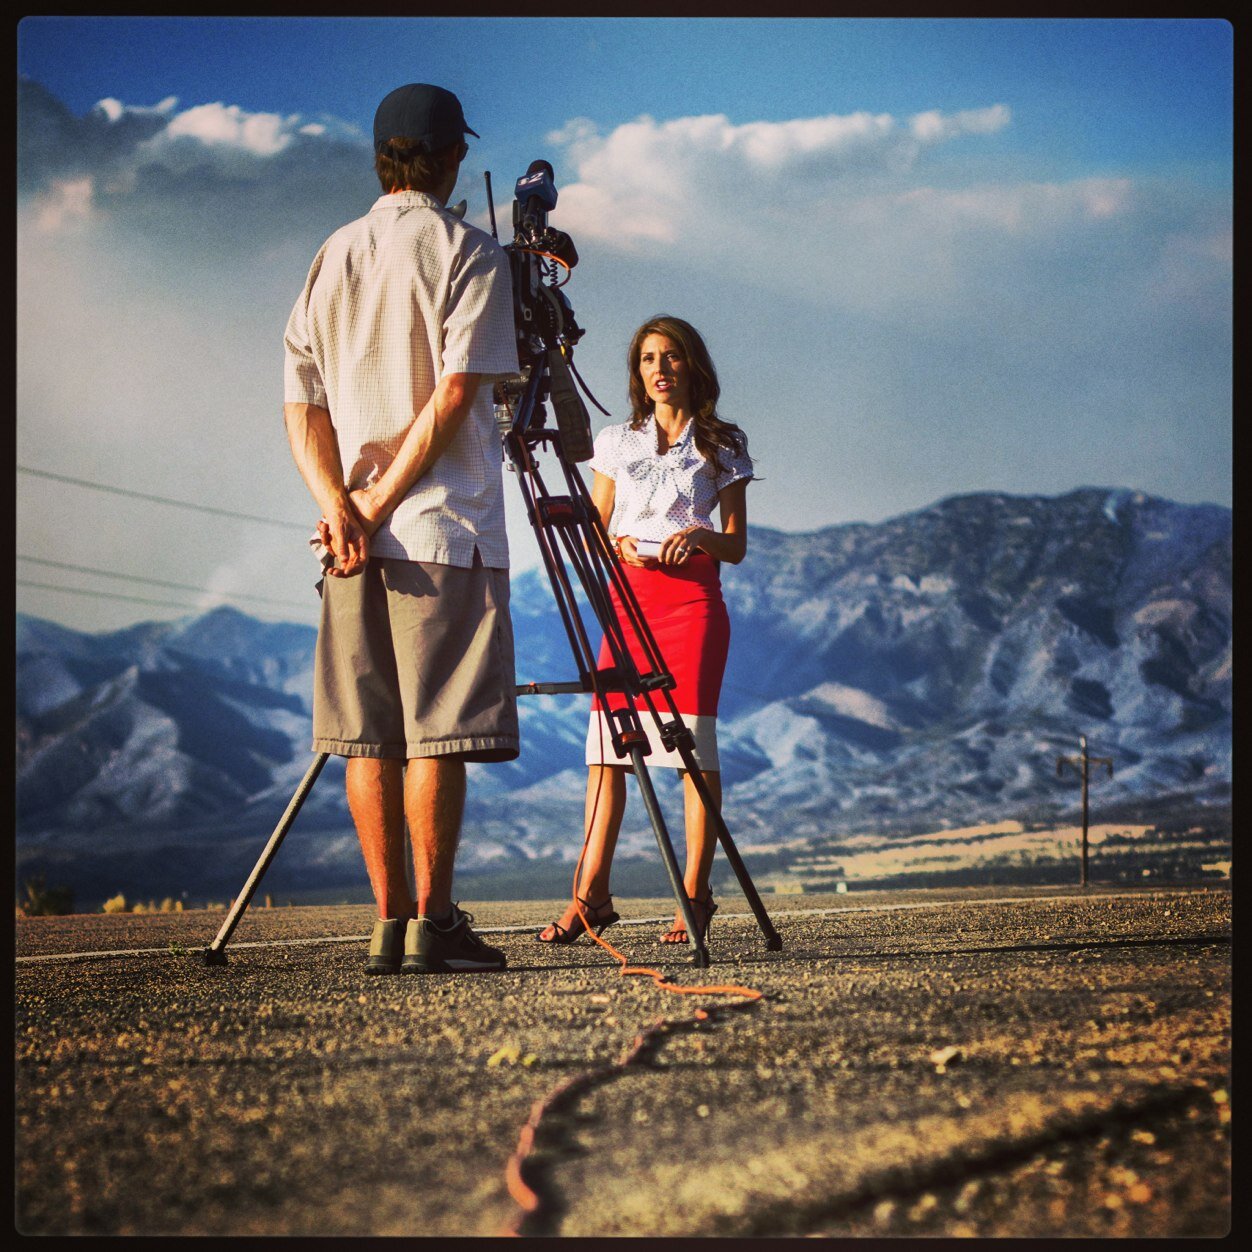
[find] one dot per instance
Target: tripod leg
(773, 940)
(694, 939)
(215, 953)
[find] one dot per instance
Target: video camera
(544, 321)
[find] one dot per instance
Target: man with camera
(405, 320)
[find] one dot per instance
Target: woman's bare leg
(701, 844)
(606, 804)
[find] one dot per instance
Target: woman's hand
(630, 555)
(679, 548)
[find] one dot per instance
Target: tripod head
(546, 328)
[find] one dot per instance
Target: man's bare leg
(434, 800)
(376, 801)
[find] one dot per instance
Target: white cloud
(649, 181)
(114, 110)
(158, 173)
(846, 212)
(67, 203)
(1020, 206)
(262, 134)
(771, 146)
(933, 126)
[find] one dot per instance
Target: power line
(180, 504)
(158, 582)
(109, 595)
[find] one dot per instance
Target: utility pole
(1082, 766)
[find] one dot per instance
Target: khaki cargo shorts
(415, 660)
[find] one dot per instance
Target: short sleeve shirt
(658, 493)
(394, 301)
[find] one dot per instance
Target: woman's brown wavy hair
(711, 433)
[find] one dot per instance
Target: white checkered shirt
(394, 301)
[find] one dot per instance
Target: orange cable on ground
(527, 1199)
(524, 1195)
(661, 979)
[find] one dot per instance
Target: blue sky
(930, 256)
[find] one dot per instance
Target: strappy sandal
(576, 928)
(678, 934)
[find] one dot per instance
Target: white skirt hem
(702, 726)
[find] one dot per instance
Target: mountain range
(919, 673)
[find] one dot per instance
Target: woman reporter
(656, 480)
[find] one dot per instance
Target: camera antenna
(491, 206)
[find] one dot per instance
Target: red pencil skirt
(684, 609)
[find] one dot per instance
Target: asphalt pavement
(1031, 1062)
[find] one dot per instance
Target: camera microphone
(535, 193)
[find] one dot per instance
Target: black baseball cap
(430, 116)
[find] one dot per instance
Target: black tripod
(570, 524)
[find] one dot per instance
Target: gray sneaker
(386, 946)
(448, 949)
